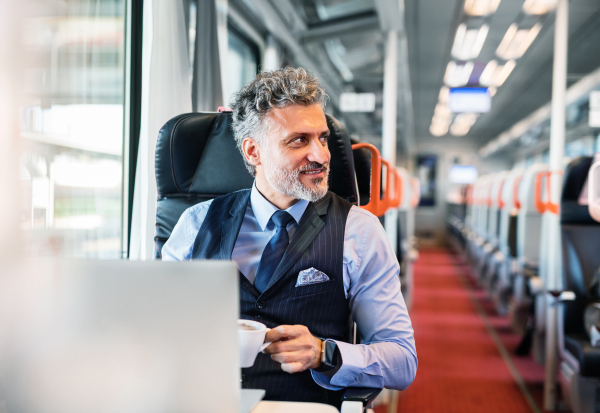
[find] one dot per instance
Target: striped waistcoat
(323, 308)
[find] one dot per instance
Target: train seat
(580, 365)
(197, 160)
(481, 247)
(504, 258)
(493, 236)
(529, 221)
(528, 286)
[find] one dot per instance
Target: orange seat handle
(516, 184)
(374, 205)
(470, 194)
(501, 203)
(550, 206)
(391, 200)
(387, 200)
(540, 205)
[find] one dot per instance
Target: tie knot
(281, 218)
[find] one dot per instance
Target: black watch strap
(331, 358)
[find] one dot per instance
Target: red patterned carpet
(460, 366)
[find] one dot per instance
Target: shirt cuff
(354, 372)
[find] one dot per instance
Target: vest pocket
(313, 289)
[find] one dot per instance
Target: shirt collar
(263, 209)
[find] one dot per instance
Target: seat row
(534, 257)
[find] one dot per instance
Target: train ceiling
(344, 42)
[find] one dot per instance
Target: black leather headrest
(342, 180)
(196, 154)
(576, 174)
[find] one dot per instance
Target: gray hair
(275, 89)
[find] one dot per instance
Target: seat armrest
(365, 395)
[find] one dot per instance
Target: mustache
(314, 165)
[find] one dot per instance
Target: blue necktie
(273, 252)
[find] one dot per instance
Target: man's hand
(294, 347)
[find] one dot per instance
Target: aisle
(460, 367)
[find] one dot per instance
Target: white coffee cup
(251, 341)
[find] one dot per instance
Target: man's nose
(319, 152)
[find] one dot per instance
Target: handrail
(374, 205)
(416, 192)
(540, 205)
(501, 203)
(594, 191)
(516, 183)
(550, 206)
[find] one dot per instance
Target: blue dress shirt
(388, 357)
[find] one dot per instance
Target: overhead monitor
(462, 174)
(469, 99)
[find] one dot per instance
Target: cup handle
(265, 345)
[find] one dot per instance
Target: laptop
(127, 337)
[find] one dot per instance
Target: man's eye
(324, 139)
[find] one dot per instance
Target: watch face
(329, 353)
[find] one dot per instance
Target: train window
(72, 130)
(242, 61)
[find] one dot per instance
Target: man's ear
(251, 151)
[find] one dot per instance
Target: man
(308, 259)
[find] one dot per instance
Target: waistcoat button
(261, 304)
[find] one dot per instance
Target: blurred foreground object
(121, 336)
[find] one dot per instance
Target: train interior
(472, 128)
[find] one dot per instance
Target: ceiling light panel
(487, 76)
(458, 74)
(503, 73)
(494, 75)
(468, 42)
(481, 7)
(539, 7)
(516, 41)
(462, 124)
(438, 129)
(444, 92)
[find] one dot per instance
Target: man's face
(294, 157)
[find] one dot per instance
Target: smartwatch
(330, 357)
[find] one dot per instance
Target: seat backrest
(529, 224)
(197, 160)
(580, 240)
(505, 233)
(362, 164)
(494, 211)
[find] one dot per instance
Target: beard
(288, 182)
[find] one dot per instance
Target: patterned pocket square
(311, 276)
